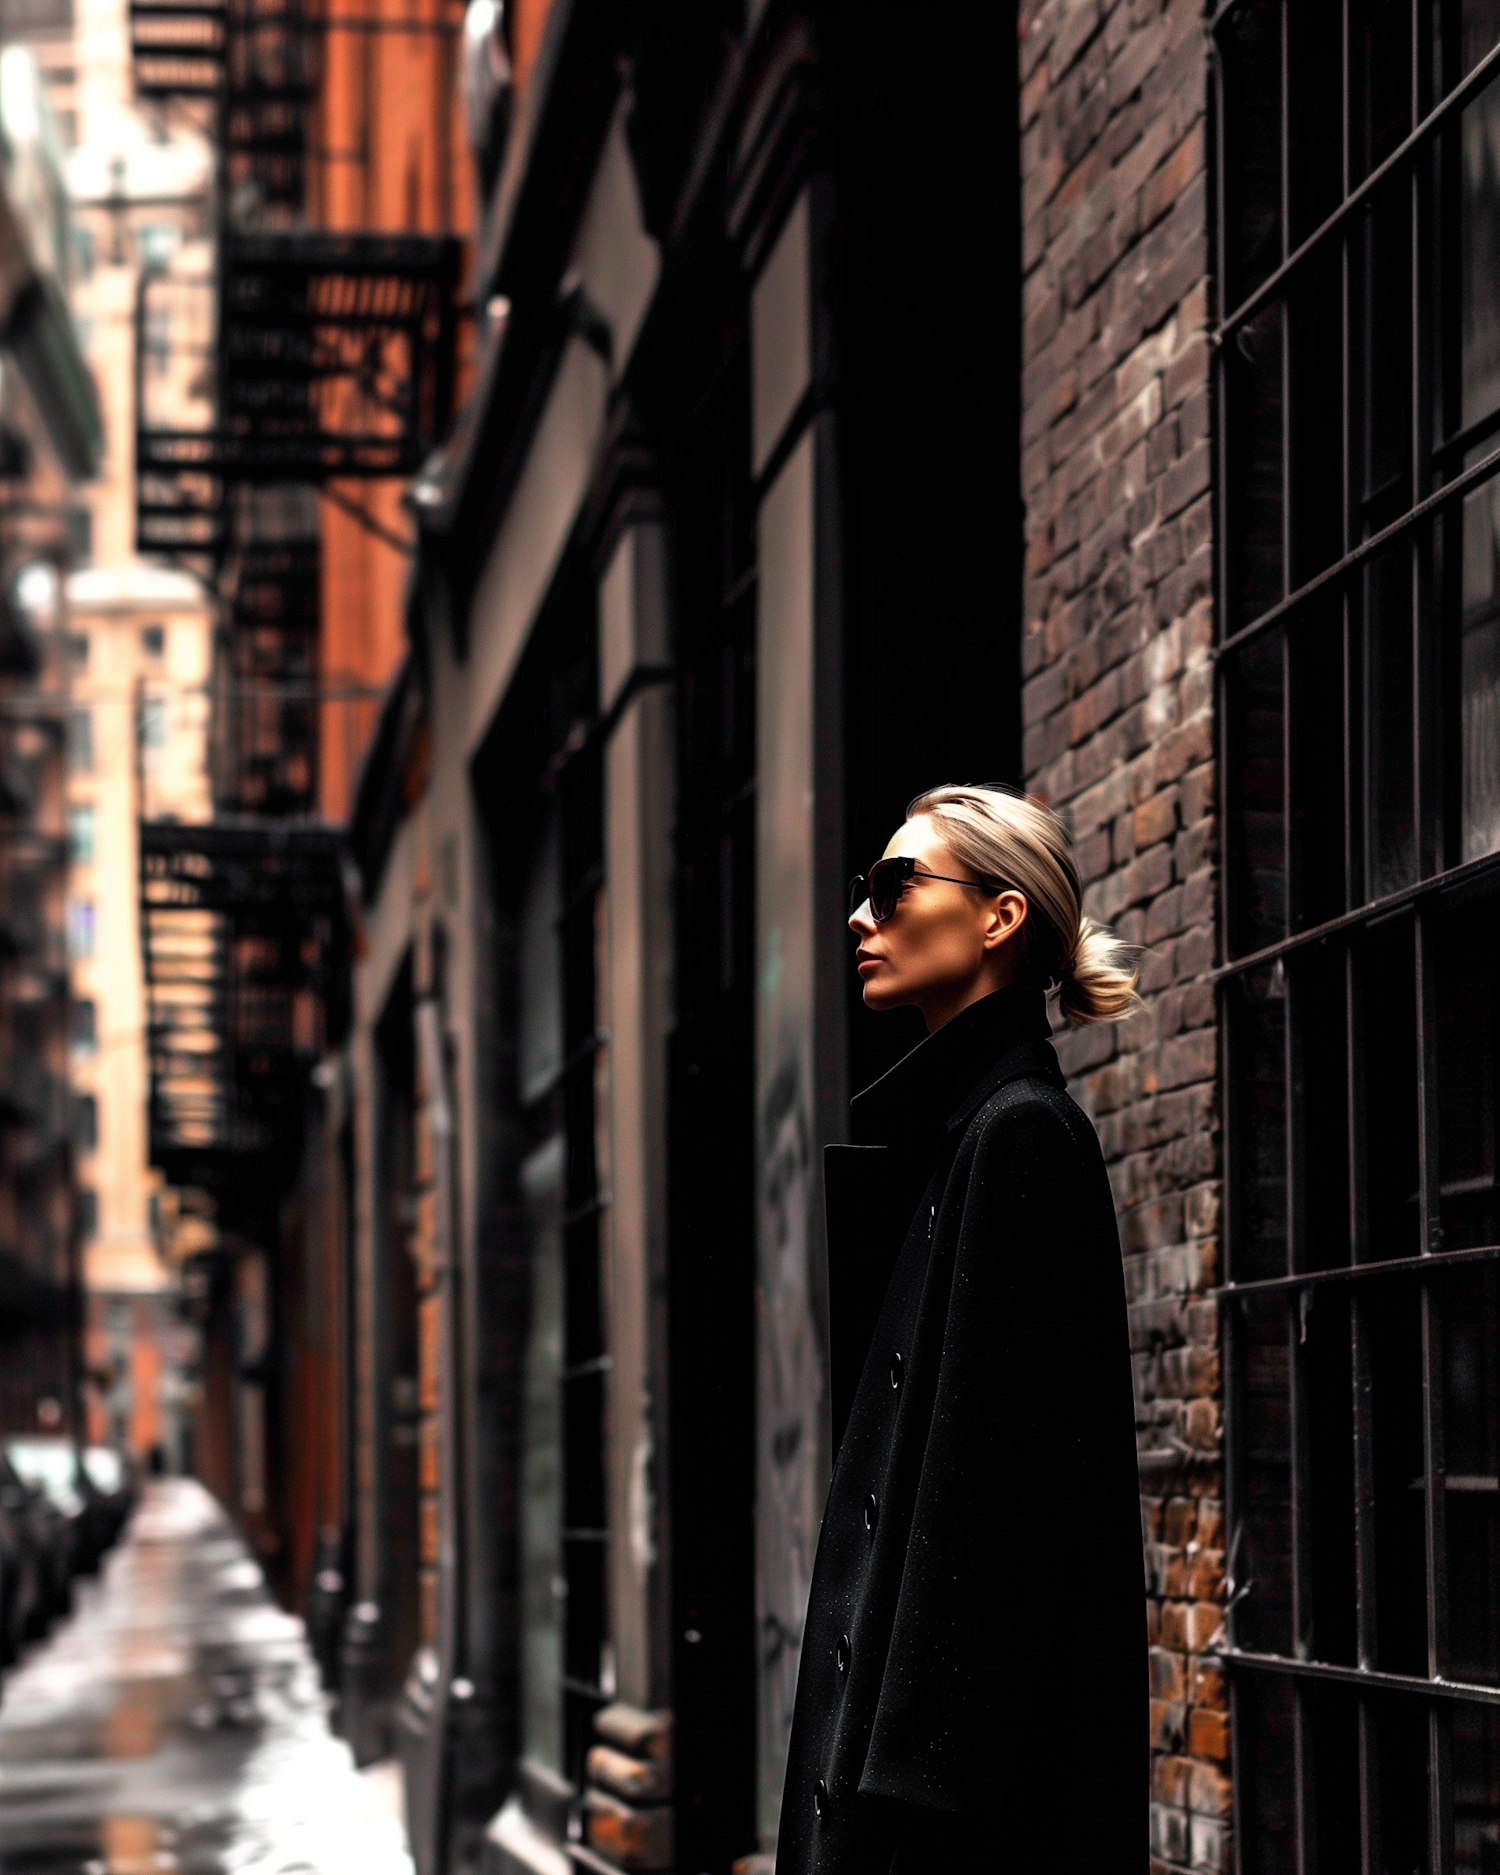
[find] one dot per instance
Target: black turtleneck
(913, 1104)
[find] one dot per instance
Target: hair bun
(1097, 983)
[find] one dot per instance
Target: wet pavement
(175, 1722)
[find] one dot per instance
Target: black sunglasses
(887, 879)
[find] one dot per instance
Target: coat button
(820, 1796)
(896, 1374)
(872, 1512)
(843, 1653)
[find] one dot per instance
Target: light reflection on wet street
(176, 1723)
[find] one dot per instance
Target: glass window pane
(1479, 674)
(1257, 801)
(1478, 33)
(1479, 257)
(1316, 466)
(1319, 997)
(1315, 83)
(1261, 1550)
(541, 1038)
(1253, 439)
(1325, 1330)
(1468, 1078)
(1265, 1733)
(1380, 44)
(542, 1602)
(1471, 1452)
(1389, 998)
(1476, 1789)
(1250, 47)
(1389, 685)
(1330, 1727)
(1390, 1318)
(1396, 1732)
(1257, 1011)
(1381, 280)
(1317, 728)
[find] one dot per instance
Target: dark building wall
(1118, 732)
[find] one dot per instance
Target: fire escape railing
(320, 356)
(242, 928)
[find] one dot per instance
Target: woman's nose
(860, 923)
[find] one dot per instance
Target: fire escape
(329, 358)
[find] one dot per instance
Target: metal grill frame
(1434, 489)
(224, 1085)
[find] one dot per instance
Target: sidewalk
(176, 1723)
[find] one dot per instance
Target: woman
(972, 1687)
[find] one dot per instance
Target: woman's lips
(862, 964)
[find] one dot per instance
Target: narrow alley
(175, 1722)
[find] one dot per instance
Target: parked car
(49, 1540)
(113, 1477)
(21, 1571)
(50, 1464)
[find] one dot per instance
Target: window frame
(1436, 489)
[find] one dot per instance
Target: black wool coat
(972, 1689)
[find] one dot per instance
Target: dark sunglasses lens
(857, 893)
(885, 889)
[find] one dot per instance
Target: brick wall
(1118, 714)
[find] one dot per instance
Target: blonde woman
(972, 1686)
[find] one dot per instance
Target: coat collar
(948, 1077)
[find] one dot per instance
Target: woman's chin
(882, 995)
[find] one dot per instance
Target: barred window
(1358, 374)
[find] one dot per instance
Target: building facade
(138, 731)
(49, 443)
(715, 512)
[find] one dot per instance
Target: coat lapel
(870, 1191)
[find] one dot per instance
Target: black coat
(973, 1671)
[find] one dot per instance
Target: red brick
(1208, 1734)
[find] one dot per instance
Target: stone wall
(1118, 715)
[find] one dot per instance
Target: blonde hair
(1017, 843)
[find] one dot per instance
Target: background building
(138, 743)
(49, 441)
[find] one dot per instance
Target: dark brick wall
(1118, 728)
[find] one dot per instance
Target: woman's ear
(1004, 919)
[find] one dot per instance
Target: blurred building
(325, 339)
(49, 442)
(142, 638)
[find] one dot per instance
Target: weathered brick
(1208, 1731)
(1119, 729)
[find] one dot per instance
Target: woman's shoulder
(1036, 1107)
(1031, 1134)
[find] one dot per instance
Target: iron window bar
(1271, 1176)
(1361, 1679)
(1471, 874)
(1362, 551)
(1436, 120)
(1459, 444)
(1429, 1262)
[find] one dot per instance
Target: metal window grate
(1358, 382)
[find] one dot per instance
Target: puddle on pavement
(175, 1723)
